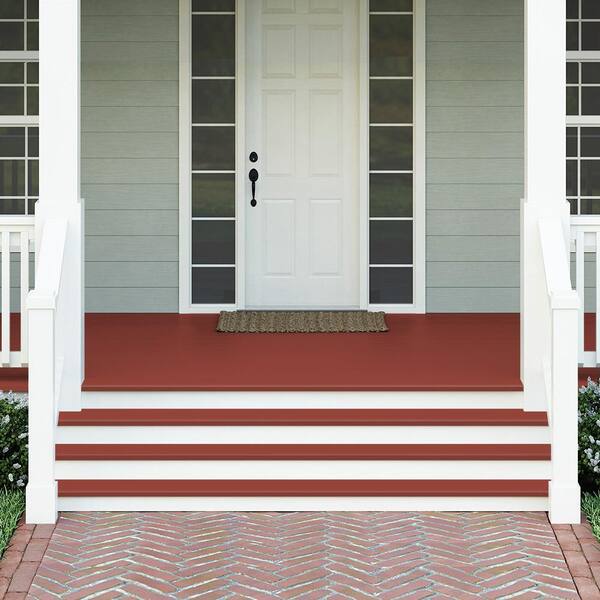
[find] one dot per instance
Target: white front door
(302, 120)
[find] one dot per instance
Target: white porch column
(60, 188)
(545, 165)
(545, 179)
(55, 380)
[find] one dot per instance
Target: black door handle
(253, 176)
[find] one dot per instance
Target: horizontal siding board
(129, 119)
(484, 170)
(131, 274)
(475, 28)
(475, 145)
(126, 53)
(474, 7)
(130, 28)
(483, 52)
(134, 196)
(129, 170)
(129, 93)
(445, 70)
(150, 299)
(129, 7)
(476, 299)
(475, 93)
(134, 71)
(127, 248)
(475, 119)
(473, 274)
(132, 222)
(470, 196)
(473, 222)
(453, 248)
(130, 145)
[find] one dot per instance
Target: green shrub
(12, 505)
(13, 441)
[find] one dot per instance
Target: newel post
(545, 179)
(564, 492)
(41, 496)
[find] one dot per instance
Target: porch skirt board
(352, 321)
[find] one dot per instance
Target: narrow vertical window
(391, 152)
(213, 218)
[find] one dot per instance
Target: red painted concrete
(420, 352)
(157, 417)
(303, 452)
(338, 488)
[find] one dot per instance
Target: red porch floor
(184, 352)
(420, 352)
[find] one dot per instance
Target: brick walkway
(303, 555)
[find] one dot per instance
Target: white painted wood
(185, 155)
(286, 504)
(367, 400)
(24, 259)
(16, 237)
(419, 156)
(60, 175)
(545, 152)
(585, 240)
(5, 236)
(56, 303)
(564, 311)
(190, 470)
(304, 435)
(302, 244)
(46, 354)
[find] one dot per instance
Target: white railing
(16, 238)
(561, 312)
(585, 240)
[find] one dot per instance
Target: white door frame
(185, 159)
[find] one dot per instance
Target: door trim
(419, 164)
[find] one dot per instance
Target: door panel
(302, 120)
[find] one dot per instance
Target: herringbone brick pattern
(303, 555)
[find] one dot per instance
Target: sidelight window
(213, 218)
(391, 149)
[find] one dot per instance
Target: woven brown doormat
(352, 321)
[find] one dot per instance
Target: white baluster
(5, 297)
(24, 292)
(580, 287)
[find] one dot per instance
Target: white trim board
(287, 504)
(296, 434)
(325, 470)
(419, 166)
(338, 400)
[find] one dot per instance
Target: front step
(303, 459)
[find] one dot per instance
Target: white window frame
(185, 163)
(25, 121)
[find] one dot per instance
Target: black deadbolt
(253, 157)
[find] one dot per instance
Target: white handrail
(560, 363)
(16, 237)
